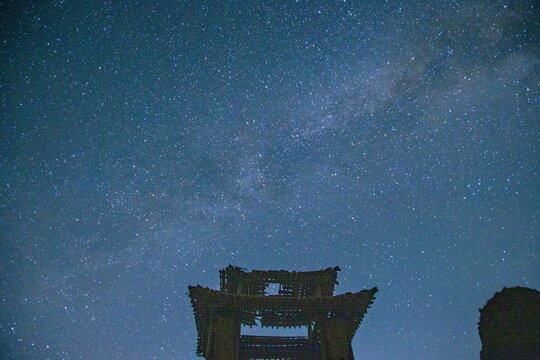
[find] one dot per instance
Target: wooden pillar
(224, 340)
(336, 344)
(210, 340)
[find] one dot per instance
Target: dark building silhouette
(510, 324)
(303, 299)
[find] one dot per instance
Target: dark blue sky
(145, 146)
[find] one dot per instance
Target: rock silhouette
(509, 325)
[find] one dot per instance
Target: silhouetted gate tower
(303, 299)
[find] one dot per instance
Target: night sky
(146, 146)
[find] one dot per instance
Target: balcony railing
(278, 347)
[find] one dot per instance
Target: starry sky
(146, 145)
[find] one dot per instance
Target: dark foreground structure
(302, 299)
(510, 325)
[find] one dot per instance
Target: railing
(277, 347)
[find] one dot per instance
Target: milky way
(146, 146)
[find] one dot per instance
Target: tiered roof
(303, 299)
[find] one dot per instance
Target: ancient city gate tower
(303, 299)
